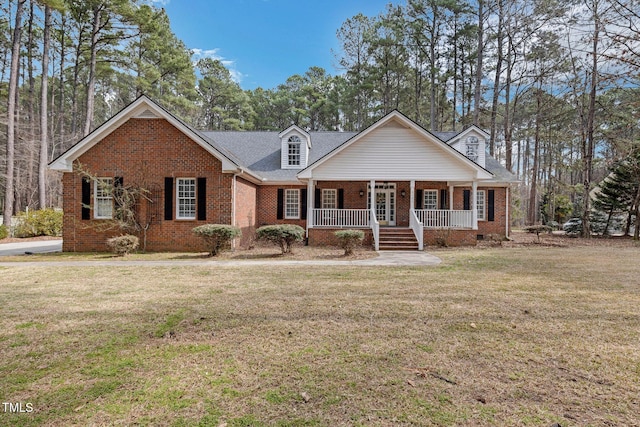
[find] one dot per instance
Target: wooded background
(555, 83)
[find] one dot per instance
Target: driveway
(34, 246)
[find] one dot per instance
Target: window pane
(103, 198)
(186, 194)
(294, 154)
(431, 199)
(292, 204)
(480, 203)
(329, 199)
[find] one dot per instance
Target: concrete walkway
(34, 247)
(387, 258)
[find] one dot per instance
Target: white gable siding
(461, 145)
(392, 153)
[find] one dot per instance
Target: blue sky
(265, 41)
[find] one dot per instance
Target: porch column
(474, 204)
(412, 194)
(310, 207)
(372, 194)
(451, 187)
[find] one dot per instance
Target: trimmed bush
(283, 235)
(3, 231)
(217, 237)
(349, 239)
(43, 222)
(123, 245)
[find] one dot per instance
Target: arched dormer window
(472, 148)
(293, 150)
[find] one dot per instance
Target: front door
(385, 199)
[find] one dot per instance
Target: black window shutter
(118, 182)
(168, 199)
(419, 199)
(303, 203)
(443, 198)
(466, 196)
(201, 201)
(317, 203)
(86, 198)
(280, 203)
(340, 198)
(491, 196)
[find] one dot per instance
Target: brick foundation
(326, 237)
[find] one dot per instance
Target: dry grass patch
(525, 336)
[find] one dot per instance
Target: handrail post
(417, 228)
(375, 229)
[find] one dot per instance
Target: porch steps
(397, 239)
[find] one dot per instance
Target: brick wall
(245, 213)
(144, 152)
(326, 237)
(267, 206)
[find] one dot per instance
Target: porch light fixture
(403, 193)
(361, 193)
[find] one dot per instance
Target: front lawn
(492, 336)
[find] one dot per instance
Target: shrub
(284, 235)
(123, 245)
(217, 237)
(43, 222)
(3, 231)
(349, 239)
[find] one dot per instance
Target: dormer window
(472, 148)
(293, 150)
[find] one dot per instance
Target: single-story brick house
(393, 177)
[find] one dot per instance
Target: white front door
(385, 200)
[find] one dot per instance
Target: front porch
(420, 206)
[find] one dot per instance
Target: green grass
(518, 337)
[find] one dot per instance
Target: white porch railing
(375, 228)
(416, 226)
(442, 218)
(341, 218)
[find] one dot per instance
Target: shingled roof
(259, 152)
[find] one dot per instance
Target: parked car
(574, 225)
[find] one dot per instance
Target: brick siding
(144, 152)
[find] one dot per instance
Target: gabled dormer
(472, 142)
(295, 144)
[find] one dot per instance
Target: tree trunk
(91, 86)
(508, 143)
(588, 150)
(496, 82)
(533, 191)
(478, 82)
(44, 140)
(11, 109)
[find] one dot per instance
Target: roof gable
(395, 148)
(141, 108)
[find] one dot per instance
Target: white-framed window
(472, 148)
(481, 203)
(293, 151)
(103, 198)
(185, 198)
(329, 198)
(291, 204)
(430, 199)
